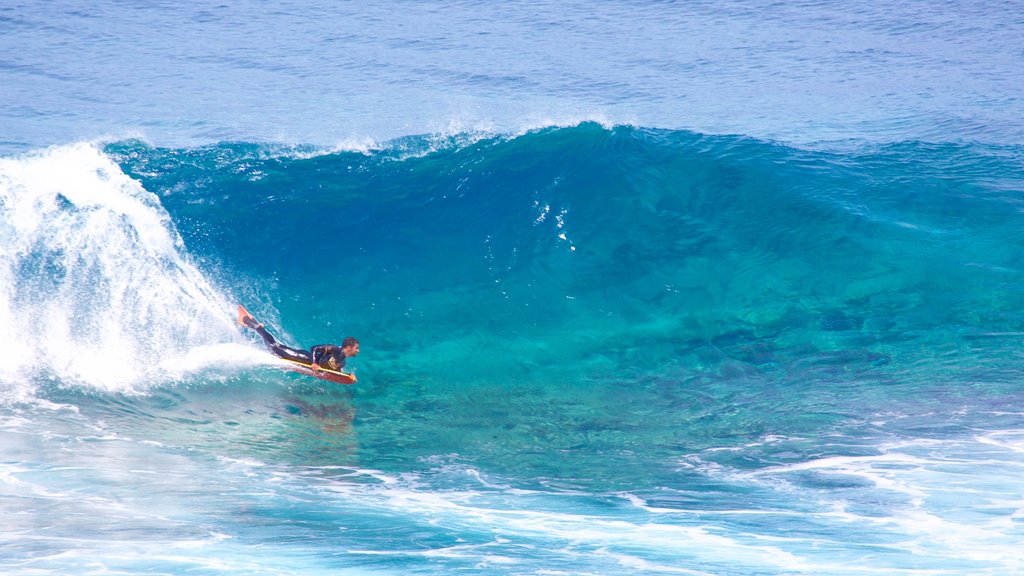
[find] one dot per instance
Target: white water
(97, 287)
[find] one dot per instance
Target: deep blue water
(642, 288)
(313, 72)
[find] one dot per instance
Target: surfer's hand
(315, 366)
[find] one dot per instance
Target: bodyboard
(323, 373)
(299, 366)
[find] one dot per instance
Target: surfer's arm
(318, 352)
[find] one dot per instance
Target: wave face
(606, 349)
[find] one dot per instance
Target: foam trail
(92, 271)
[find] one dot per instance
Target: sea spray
(98, 288)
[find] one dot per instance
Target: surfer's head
(350, 346)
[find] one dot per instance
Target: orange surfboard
(323, 373)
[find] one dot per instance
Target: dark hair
(350, 341)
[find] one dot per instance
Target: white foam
(957, 500)
(615, 537)
(226, 356)
(97, 286)
(1011, 440)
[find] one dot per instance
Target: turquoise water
(607, 348)
(605, 328)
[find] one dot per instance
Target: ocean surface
(699, 288)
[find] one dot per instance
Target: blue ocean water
(642, 288)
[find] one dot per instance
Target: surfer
(329, 356)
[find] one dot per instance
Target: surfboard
(298, 365)
(323, 373)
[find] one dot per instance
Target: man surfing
(323, 360)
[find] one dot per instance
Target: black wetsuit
(325, 355)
